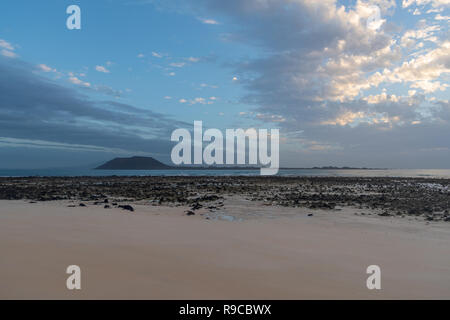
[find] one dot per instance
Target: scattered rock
(413, 197)
(196, 206)
(127, 207)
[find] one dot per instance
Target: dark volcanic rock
(384, 214)
(127, 207)
(419, 197)
(196, 206)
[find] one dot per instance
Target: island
(134, 163)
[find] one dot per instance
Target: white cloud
(434, 3)
(7, 53)
(426, 67)
(270, 117)
(379, 98)
(177, 64)
(435, 10)
(157, 54)
(193, 59)
(46, 68)
(7, 49)
(429, 86)
(354, 118)
(6, 45)
(101, 69)
(79, 82)
(199, 100)
(439, 17)
(425, 33)
(208, 21)
(205, 85)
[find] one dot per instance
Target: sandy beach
(240, 249)
(225, 150)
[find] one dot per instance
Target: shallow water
(416, 173)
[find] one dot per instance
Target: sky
(347, 83)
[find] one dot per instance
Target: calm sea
(424, 173)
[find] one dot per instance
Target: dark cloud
(35, 108)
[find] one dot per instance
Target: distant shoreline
(251, 168)
(149, 163)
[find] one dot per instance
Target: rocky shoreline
(427, 198)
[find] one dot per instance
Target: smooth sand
(160, 253)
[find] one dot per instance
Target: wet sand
(422, 198)
(266, 252)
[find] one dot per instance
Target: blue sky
(341, 91)
(149, 54)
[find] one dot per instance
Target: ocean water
(416, 173)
